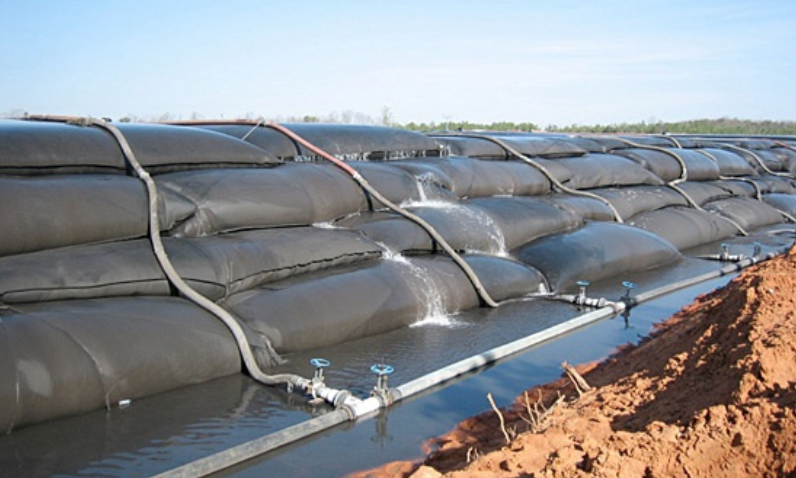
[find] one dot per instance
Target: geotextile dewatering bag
(216, 266)
(64, 358)
(43, 147)
(684, 227)
(301, 256)
(45, 212)
(386, 294)
(596, 251)
(294, 194)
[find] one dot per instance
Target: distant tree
(386, 118)
(14, 113)
(470, 126)
(166, 117)
(696, 126)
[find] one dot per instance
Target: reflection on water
(156, 434)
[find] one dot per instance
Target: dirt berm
(711, 393)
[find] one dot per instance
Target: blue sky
(552, 62)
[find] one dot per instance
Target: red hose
(313, 148)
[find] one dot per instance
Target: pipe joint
(724, 257)
(596, 302)
(385, 396)
(583, 300)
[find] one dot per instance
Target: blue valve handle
(382, 369)
(320, 362)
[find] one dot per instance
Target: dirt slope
(710, 394)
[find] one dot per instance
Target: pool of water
(159, 433)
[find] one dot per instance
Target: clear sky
(553, 62)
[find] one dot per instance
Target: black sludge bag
(294, 194)
(630, 201)
(684, 227)
(749, 213)
(342, 140)
(596, 251)
(45, 212)
(216, 266)
(64, 358)
(351, 303)
(39, 147)
(36, 147)
(605, 170)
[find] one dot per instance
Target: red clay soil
(711, 393)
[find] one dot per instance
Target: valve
(382, 371)
(725, 251)
(319, 364)
(629, 286)
(583, 284)
(727, 257)
(317, 380)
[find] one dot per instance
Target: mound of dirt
(711, 393)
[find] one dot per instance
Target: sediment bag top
(39, 147)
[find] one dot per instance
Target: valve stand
(629, 301)
(583, 284)
(317, 379)
(381, 390)
(725, 252)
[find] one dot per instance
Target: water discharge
(490, 238)
(325, 225)
(435, 311)
(425, 186)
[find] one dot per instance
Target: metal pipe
(463, 366)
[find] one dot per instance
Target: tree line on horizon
(696, 126)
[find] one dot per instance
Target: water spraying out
(428, 293)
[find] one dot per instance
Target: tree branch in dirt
(500, 416)
(538, 412)
(577, 379)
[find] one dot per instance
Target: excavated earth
(711, 393)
